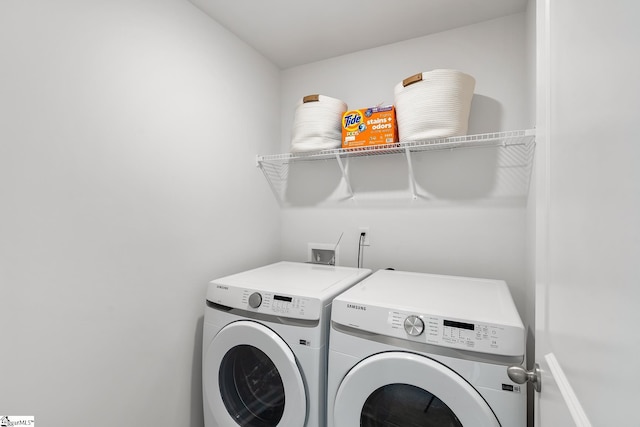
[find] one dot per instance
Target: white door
(256, 384)
(588, 212)
(405, 389)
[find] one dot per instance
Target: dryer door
(406, 389)
(251, 379)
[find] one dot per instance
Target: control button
(413, 325)
(255, 300)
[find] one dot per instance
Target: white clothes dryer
(412, 349)
(265, 344)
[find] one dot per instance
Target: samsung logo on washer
(226, 288)
(356, 307)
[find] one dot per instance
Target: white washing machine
(265, 343)
(412, 349)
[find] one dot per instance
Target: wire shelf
(275, 167)
(519, 137)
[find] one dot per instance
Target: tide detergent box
(371, 126)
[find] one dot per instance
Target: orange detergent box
(371, 126)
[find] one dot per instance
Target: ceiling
(296, 32)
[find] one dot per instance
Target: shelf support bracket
(412, 178)
(345, 176)
(270, 180)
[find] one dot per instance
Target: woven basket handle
(411, 80)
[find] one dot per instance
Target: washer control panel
(463, 334)
(448, 332)
(442, 331)
(270, 303)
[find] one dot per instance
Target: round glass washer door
(409, 390)
(251, 378)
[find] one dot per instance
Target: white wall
(474, 223)
(128, 131)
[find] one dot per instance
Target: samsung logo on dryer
(356, 307)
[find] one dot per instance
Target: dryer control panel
(269, 303)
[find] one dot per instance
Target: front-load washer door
(408, 390)
(251, 379)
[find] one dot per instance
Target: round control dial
(255, 299)
(413, 325)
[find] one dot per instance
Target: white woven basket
(317, 124)
(434, 104)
